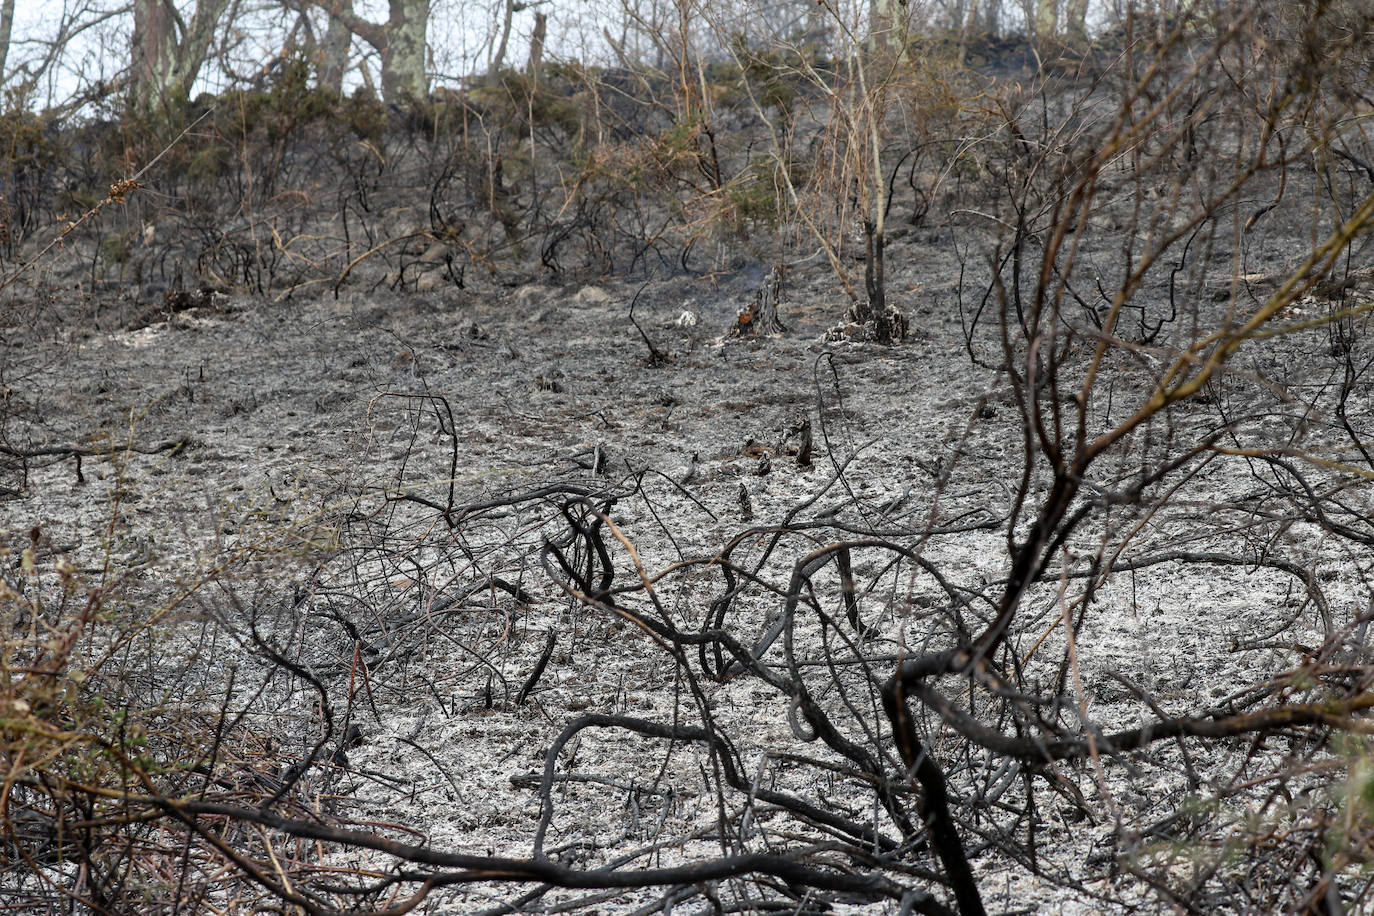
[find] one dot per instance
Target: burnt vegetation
(1164, 238)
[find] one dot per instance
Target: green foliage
(277, 112)
(55, 727)
(365, 115)
(516, 100)
(753, 200)
(115, 249)
(30, 153)
(776, 76)
(209, 161)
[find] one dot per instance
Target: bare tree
(888, 24)
(1076, 20)
(401, 43)
(333, 53)
(1042, 19)
(498, 54)
(541, 22)
(6, 28)
(168, 52)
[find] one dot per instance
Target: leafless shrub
(845, 710)
(114, 697)
(925, 719)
